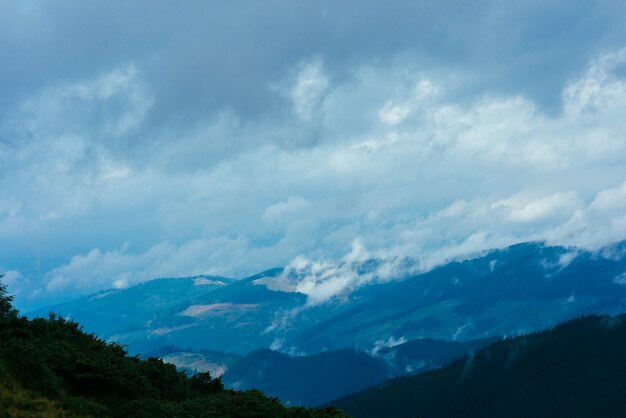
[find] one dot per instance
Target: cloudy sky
(148, 138)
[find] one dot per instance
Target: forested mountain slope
(577, 369)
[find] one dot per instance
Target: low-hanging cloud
(322, 281)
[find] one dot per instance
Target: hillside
(576, 369)
(49, 367)
(427, 353)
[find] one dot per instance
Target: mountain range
(320, 377)
(386, 322)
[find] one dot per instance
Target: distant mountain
(309, 380)
(576, 369)
(504, 292)
(320, 377)
(117, 311)
(196, 312)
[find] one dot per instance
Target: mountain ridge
(461, 300)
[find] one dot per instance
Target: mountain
(320, 377)
(503, 292)
(196, 312)
(307, 380)
(575, 369)
(117, 310)
(50, 367)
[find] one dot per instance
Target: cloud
(309, 88)
(278, 211)
(322, 281)
(610, 199)
(318, 200)
(211, 149)
(599, 89)
(110, 105)
(539, 209)
(120, 268)
(389, 343)
(12, 279)
(460, 230)
(393, 114)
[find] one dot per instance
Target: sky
(156, 139)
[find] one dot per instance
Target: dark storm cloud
(204, 56)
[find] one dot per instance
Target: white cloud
(119, 269)
(309, 88)
(17, 284)
(322, 281)
(599, 89)
(393, 114)
(11, 277)
(389, 343)
(119, 94)
(399, 162)
(610, 199)
(542, 208)
(57, 158)
(286, 209)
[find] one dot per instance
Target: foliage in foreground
(51, 368)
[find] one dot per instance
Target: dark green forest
(320, 378)
(50, 367)
(577, 369)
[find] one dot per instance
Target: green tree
(6, 302)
